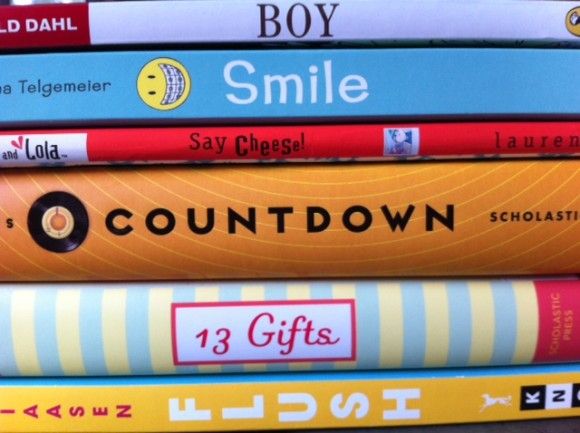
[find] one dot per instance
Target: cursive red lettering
(325, 337)
(294, 329)
(252, 330)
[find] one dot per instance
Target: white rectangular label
(268, 331)
(559, 396)
(19, 150)
(401, 141)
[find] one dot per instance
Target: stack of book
(400, 246)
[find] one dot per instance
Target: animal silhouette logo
(489, 401)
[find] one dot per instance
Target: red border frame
(350, 302)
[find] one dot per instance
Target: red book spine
(558, 307)
(44, 26)
(291, 142)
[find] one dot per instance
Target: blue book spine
(286, 84)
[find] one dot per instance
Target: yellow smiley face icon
(573, 21)
(163, 84)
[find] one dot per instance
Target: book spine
(542, 23)
(387, 219)
(288, 401)
(44, 26)
(289, 143)
(314, 84)
(259, 326)
(480, 23)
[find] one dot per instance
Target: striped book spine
(186, 328)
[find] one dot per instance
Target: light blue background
(402, 82)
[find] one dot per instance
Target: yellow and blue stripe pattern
(125, 329)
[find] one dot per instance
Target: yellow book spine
(290, 401)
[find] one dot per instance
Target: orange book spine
(383, 219)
